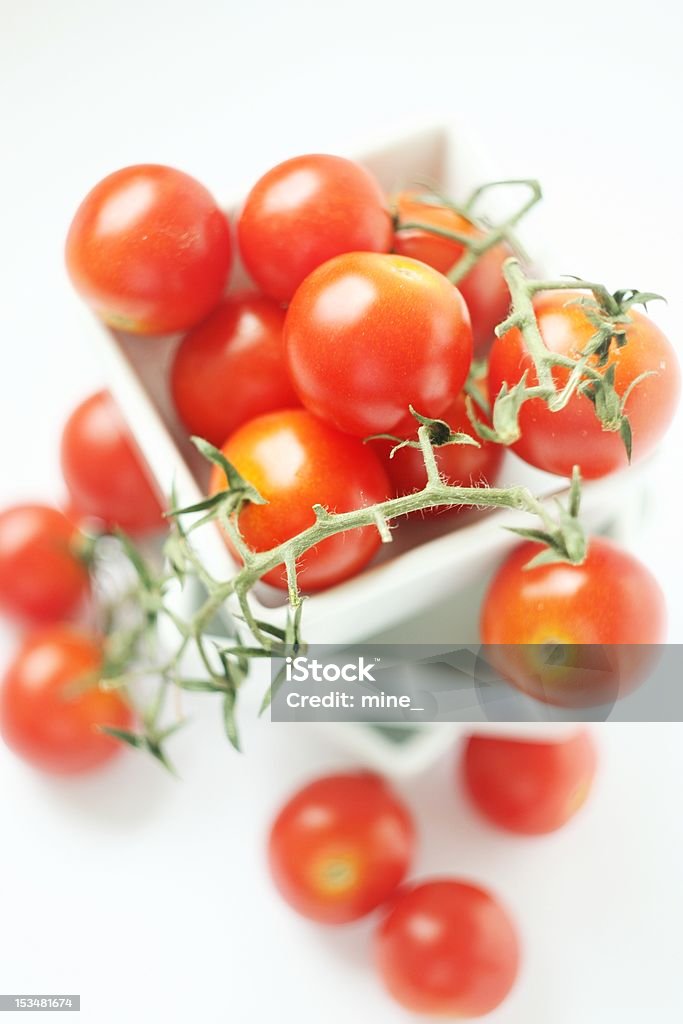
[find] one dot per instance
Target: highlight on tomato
(43, 579)
(51, 705)
(149, 250)
(447, 948)
(103, 471)
(460, 465)
(483, 287)
(557, 441)
(295, 460)
(340, 846)
(574, 635)
(231, 368)
(367, 335)
(303, 212)
(530, 787)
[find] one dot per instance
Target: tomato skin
(340, 847)
(103, 472)
(369, 334)
(529, 787)
(149, 250)
(231, 367)
(556, 441)
(483, 287)
(303, 212)
(459, 464)
(53, 730)
(296, 461)
(605, 618)
(447, 948)
(42, 579)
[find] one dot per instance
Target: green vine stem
(475, 246)
(588, 373)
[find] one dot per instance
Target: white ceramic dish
(427, 564)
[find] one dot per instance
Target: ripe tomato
(459, 464)
(42, 579)
(231, 368)
(295, 461)
(483, 287)
(149, 250)
(368, 334)
(305, 211)
(447, 948)
(574, 635)
(48, 712)
(556, 441)
(340, 847)
(527, 786)
(105, 475)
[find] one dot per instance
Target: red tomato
(527, 786)
(483, 288)
(447, 948)
(556, 441)
(305, 211)
(149, 250)
(340, 847)
(42, 579)
(105, 475)
(231, 368)
(368, 334)
(574, 635)
(459, 464)
(48, 712)
(296, 461)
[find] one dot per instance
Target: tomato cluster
(343, 846)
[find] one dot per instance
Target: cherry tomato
(527, 786)
(305, 211)
(105, 475)
(51, 706)
(149, 250)
(42, 579)
(447, 948)
(368, 334)
(556, 441)
(295, 461)
(483, 287)
(574, 635)
(340, 847)
(459, 464)
(231, 368)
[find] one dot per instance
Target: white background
(150, 897)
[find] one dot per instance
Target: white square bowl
(433, 562)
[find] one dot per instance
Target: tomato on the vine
(340, 847)
(149, 250)
(42, 577)
(573, 635)
(231, 368)
(103, 472)
(305, 211)
(483, 287)
(556, 441)
(460, 465)
(51, 705)
(527, 786)
(295, 461)
(367, 335)
(447, 948)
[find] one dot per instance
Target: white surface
(147, 896)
